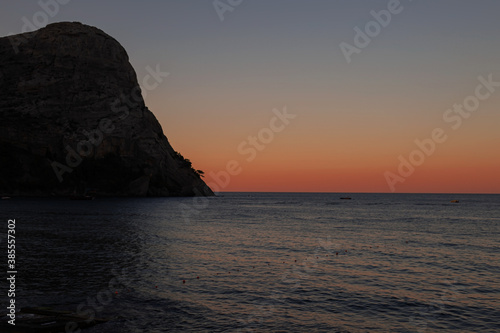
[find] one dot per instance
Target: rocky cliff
(73, 120)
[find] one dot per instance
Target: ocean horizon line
(395, 193)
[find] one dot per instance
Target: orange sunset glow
(356, 111)
(250, 166)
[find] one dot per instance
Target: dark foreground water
(248, 262)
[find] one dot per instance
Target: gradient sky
(353, 120)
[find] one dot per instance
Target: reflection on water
(265, 262)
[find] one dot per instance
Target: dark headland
(73, 121)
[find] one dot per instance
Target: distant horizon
(446, 193)
(250, 165)
(308, 96)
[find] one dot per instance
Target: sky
(310, 95)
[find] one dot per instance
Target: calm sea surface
(263, 262)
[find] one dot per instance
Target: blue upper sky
(227, 75)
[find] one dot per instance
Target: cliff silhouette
(73, 120)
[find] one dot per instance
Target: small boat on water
(345, 198)
(5, 198)
(454, 201)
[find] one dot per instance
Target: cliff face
(72, 119)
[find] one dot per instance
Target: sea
(261, 262)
